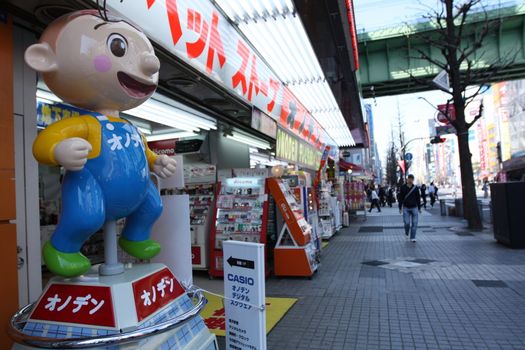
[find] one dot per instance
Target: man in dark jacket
(410, 206)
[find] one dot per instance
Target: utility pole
(401, 143)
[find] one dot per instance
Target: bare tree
(458, 60)
(391, 165)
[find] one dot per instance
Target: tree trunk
(470, 202)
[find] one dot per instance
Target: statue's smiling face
(100, 64)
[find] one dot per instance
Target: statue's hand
(72, 153)
(164, 166)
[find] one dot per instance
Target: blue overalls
(114, 185)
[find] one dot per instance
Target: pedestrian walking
(432, 192)
(375, 200)
(423, 191)
(382, 195)
(390, 196)
(410, 207)
(485, 189)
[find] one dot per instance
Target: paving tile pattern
(468, 294)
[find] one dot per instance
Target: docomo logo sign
(166, 147)
(196, 32)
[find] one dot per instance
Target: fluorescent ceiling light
(160, 109)
(170, 135)
(144, 130)
(163, 110)
(249, 140)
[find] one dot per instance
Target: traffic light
(437, 139)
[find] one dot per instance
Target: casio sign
(241, 279)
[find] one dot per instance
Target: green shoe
(144, 250)
(65, 264)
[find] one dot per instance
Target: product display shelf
(305, 199)
(295, 253)
(201, 210)
(326, 214)
(241, 214)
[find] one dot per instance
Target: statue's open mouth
(133, 87)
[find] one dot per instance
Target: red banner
(78, 304)
(442, 118)
(353, 32)
(196, 255)
(402, 165)
(155, 291)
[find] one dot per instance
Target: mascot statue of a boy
(106, 65)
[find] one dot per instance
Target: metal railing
(16, 332)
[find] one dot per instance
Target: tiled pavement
(447, 291)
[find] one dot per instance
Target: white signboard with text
(244, 289)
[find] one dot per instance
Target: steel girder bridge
(388, 57)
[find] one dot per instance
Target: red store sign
(78, 304)
(166, 147)
(197, 32)
(155, 291)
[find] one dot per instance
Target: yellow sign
(214, 317)
(293, 150)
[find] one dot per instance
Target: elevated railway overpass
(387, 57)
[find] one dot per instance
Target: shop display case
(304, 196)
(241, 214)
(326, 212)
(201, 210)
(307, 201)
(355, 197)
(295, 253)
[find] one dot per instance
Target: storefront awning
(345, 166)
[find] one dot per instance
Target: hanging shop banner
(199, 173)
(47, 113)
(245, 295)
(293, 150)
(442, 110)
(353, 32)
(322, 163)
(265, 124)
(196, 32)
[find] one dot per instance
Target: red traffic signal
(437, 139)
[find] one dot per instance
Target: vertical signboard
(244, 290)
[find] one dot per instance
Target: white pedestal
(172, 231)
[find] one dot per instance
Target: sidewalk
(375, 290)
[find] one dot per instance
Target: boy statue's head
(100, 64)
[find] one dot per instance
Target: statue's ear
(41, 58)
